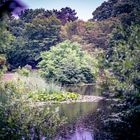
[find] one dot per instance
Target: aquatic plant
(57, 97)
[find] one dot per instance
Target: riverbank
(81, 99)
(84, 93)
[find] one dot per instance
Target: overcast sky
(84, 8)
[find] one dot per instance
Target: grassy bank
(33, 87)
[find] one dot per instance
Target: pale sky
(84, 8)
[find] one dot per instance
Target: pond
(76, 130)
(84, 89)
(77, 114)
(102, 120)
(82, 120)
(81, 123)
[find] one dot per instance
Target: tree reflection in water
(87, 126)
(82, 133)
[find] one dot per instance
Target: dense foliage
(68, 64)
(22, 119)
(123, 59)
(35, 31)
(108, 47)
(127, 11)
(31, 39)
(64, 15)
(89, 34)
(6, 39)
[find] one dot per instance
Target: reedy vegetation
(21, 118)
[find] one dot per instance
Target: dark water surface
(76, 129)
(80, 126)
(83, 123)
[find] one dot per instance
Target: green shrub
(23, 71)
(1, 73)
(68, 64)
(123, 60)
(3, 67)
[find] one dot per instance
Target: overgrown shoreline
(81, 99)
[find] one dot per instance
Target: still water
(83, 121)
(80, 126)
(76, 129)
(84, 89)
(91, 120)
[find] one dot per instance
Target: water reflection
(77, 128)
(81, 133)
(74, 111)
(83, 121)
(84, 89)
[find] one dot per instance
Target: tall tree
(123, 59)
(42, 33)
(66, 15)
(29, 14)
(6, 38)
(126, 10)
